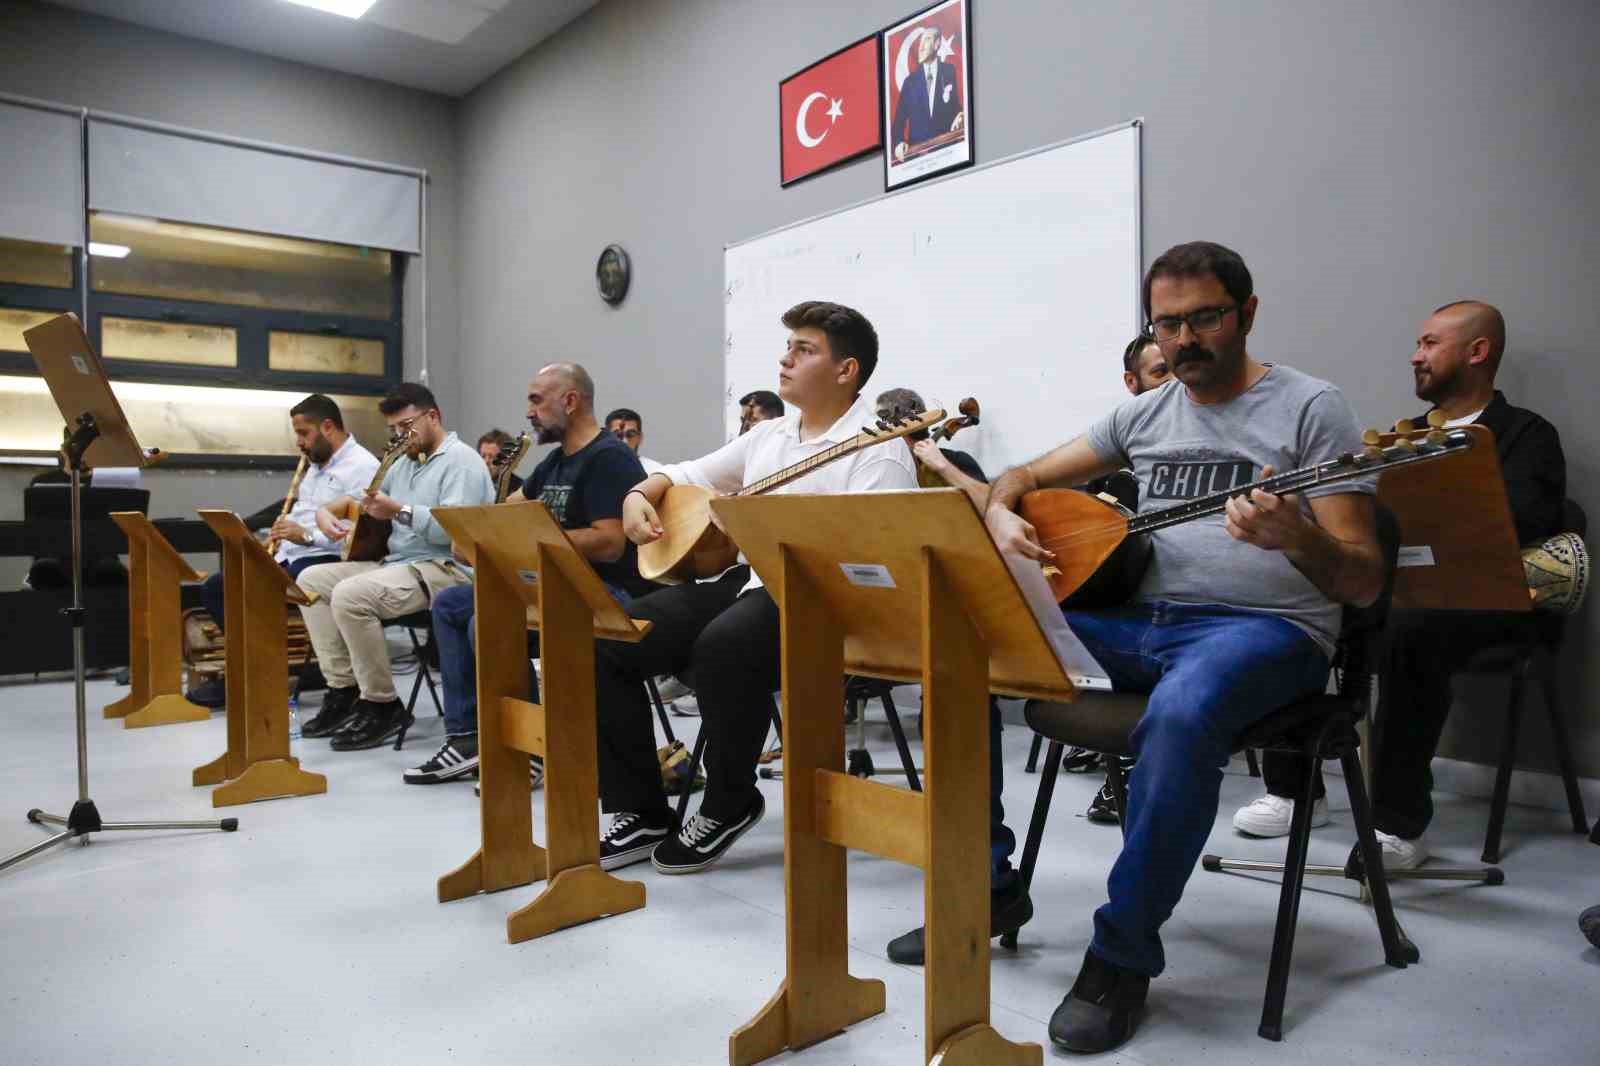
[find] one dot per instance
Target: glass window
(13, 320)
(320, 353)
(185, 343)
(183, 419)
(178, 261)
(26, 263)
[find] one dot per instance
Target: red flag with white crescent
(829, 111)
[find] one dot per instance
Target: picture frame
(829, 112)
(927, 133)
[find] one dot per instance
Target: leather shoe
(338, 704)
(1009, 910)
(1102, 1010)
(211, 693)
(375, 724)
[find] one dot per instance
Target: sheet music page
(1082, 667)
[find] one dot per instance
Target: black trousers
(211, 587)
(730, 644)
(1423, 650)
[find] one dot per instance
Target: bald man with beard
(1458, 353)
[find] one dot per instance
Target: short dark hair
(498, 437)
(771, 403)
(1135, 348)
(850, 335)
(626, 414)
(408, 394)
(319, 409)
(1197, 259)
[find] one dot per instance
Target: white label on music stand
(80, 363)
(868, 575)
(528, 577)
(1415, 555)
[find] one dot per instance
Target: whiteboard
(1016, 283)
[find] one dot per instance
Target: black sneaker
(374, 726)
(338, 704)
(630, 838)
(1079, 761)
(702, 841)
(457, 757)
(1103, 808)
(1009, 910)
(1102, 1010)
(210, 693)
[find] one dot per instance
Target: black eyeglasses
(1205, 320)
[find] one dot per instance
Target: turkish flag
(829, 111)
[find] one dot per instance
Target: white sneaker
(1400, 853)
(1269, 815)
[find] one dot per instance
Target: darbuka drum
(1557, 573)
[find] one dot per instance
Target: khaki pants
(346, 622)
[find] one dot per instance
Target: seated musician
(1009, 905)
(582, 482)
(758, 406)
(337, 466)
(725, 630)
(491, 446)
(1238, 613)
(627, 426)
(1457, 355)
(361, 708)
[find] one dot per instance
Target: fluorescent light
(350, 9)
(110, 251)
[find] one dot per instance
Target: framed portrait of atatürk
(927, 94)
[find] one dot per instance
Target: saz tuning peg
(1436, 418)
(1403, 426)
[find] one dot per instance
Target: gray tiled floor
(312, 935)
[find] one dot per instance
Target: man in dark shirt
(582, 482)
(1457, 356)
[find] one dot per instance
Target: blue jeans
(456, 638)
(211, 587)
(1211, 672)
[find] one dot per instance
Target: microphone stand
(85, 817)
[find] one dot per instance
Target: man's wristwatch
(404, 517)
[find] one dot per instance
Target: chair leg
(1558, 733)
(694, 770)
(906, 761)
(1294, 875)
(1250, 761)
(1041, 811)
(661, 709)
(1398, 950)
(1119, 790)
(1502, 780)
(1033, 755)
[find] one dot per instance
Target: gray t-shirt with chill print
(1181, 450)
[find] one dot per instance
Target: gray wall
(55, 54)
(1370, 159)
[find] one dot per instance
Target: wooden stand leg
(269, 779)
(955, 695)
(165, 710)
(818, 997)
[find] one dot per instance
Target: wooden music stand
(257, 764)
(905, 586)
(155, 625)
(529, 576)
(1459, 550)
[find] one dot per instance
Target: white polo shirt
(346, 473)
(775, 444)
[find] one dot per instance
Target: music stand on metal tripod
(96, 431)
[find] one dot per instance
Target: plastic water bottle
(294, 716)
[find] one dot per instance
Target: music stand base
(85, 819)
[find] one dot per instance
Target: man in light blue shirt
(361, 709)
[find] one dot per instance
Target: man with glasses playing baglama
(361, 708)
(1237, 615)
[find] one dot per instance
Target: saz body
(692, 547)
(368, 539)
(1101, 547)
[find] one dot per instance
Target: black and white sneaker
(1103, 808)
(702, 841)
(535, 775)
(630, 838)
(457, 757)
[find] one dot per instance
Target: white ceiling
(444, 46)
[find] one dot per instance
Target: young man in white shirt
(724, 630)
(337, 466)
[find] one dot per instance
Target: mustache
(1192, 353)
